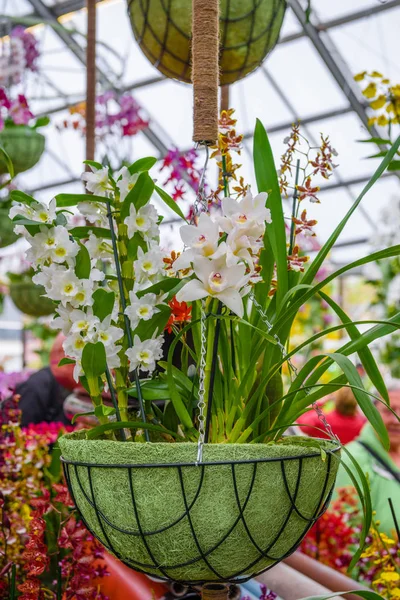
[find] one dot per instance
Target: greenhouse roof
(309, 76)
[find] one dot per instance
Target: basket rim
(336, 447)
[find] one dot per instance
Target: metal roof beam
(344, 20)
(47, 14)
(326, 188)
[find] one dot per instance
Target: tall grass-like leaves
(267, 181)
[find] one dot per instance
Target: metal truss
(316, 32)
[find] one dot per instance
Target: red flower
(63, 495)
(42, 503)
(181, 313)
(30, 589)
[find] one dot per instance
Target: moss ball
(23, 145)
(199, 523)
(249, 30)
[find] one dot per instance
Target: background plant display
(334, 539)
(46, 552)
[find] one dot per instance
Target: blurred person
(381, 467)
(42, 395)
(345, 419)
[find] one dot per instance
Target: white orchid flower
(248, 214)
(52, 244)
(125, 182)
(143, 355)
(143, 308)
(143, 221)
(94, 212)
(149, 264)
(73, 345)
(45, 277)
(98, 248)
(217, 280)
(84, 323)
(202, 240)
(108, 334)
(36, 211)
(83, 294)
(63, 321)
(97, 181)
(240, 247)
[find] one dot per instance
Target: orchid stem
(292, 227)
(212, 374)
(126, 319)
(114, 401)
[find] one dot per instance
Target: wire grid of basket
(76, 472)
(249, 30)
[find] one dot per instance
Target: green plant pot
(28, 298)
(245, 508)
(249, 30)
(24, 146)
(7, 235)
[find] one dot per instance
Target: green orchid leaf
(94, 361)
(139, 195)
(108, 427)
(66, 361)
(83, 232)
(365, 354)
(8, 161)
(143, 164)
(170, 202)
(83, 264)
(41, 122)
(89, 413)
(267, 181)
(94, 164)
(103, 303)
(65, 200)
(21, 197)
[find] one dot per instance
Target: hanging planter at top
(249, 30)
(20, 141)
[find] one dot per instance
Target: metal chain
(202, 374)
(200, 204)
(292, 367)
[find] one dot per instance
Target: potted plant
(19, 138)
(28, 297)
(205, 487)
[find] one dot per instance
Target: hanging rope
(90, 79)
(205, 70)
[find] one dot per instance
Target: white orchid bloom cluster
(222, 251)
(56, 256)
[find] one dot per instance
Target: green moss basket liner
(23, 145)
(242, 510)
(28, 298)
(249, 30)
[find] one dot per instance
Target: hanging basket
(24, 146)
(249, 30)
(28, 298)
(241, 511)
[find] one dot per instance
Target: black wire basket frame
(166, 571)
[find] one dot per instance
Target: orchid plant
(240, 281)
(16, 111)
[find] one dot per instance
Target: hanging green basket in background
(28, 298)
(239, 512)
(23, 145)
(249, 30)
